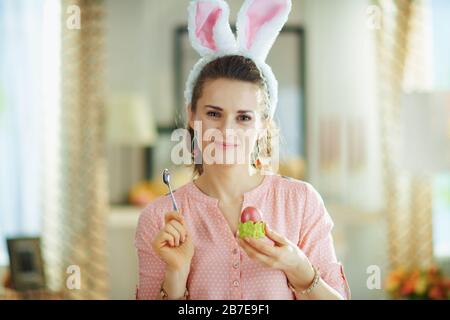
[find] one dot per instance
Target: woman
(199, 250)
(196, 253)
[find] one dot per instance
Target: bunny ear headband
(258, 24)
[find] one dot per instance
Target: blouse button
(236, 265)
(236, 283)
(235, 251)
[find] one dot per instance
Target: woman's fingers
(169, 228)
(254, 254)
(275, 236)
(262, 247)
(173, 215)
(180, 228)
(174, 231)
(165, 237)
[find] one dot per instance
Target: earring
(257, 160)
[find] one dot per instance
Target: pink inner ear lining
(260, 12)
(205, 20)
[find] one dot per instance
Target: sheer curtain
(29, 55)
(404, 61)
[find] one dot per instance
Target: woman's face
(230, 115)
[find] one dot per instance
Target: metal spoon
(166, 180)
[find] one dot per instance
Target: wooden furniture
(10, 294)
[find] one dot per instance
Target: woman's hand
(173, 243)
(282, 255)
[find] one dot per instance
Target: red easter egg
(250, 214)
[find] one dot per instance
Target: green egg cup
(252, 229)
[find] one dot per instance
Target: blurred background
(91, 90)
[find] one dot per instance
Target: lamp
(130, 121)
(131, 130)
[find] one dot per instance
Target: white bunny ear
(258, 25)
(209, 28)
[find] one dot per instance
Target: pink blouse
(220, 269)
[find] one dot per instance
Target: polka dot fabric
(220, 269)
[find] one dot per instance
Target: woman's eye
(213, 114)
(244, 118)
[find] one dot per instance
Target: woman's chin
(229, 165)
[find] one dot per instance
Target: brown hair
(241, 68)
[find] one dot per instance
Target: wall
(341, 82)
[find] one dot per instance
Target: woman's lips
(225, 145)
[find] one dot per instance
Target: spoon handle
(174, 203)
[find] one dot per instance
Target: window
(29, 88)
(441, 186)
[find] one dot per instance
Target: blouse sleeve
(151, 267)
(316, 241)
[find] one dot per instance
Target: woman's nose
(228, 123)
(231, 131)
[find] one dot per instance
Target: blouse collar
(203, 197)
